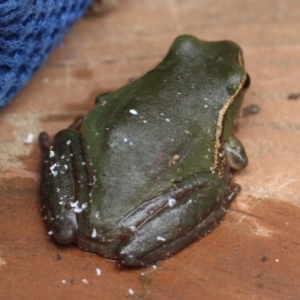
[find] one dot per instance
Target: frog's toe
(127, 259)
(65, 229)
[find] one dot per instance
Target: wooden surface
(255, 252)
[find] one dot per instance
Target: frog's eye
(247, 82)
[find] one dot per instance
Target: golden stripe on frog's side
(220, 121)
(220, 127)
(241, 60)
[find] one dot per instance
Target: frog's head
(217, 68)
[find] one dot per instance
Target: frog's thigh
(63, 178)
(175, 228)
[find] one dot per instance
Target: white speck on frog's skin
(171, 202)
(168, 120)
(63, 281)
(74, 204)
(94, 233)
(50, 232)
(154, 267)
(133, 111)
(68, 142)
(160, 238)
(77, 208)
(51, 153)
(85, 281)
(54, 173)
(131, 291)
(98, 272)
(126, 140)
(94, 180)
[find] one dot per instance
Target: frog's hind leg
(63, 183)
(175, 227)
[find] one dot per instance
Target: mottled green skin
(136, 162)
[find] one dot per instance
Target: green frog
(148, 171)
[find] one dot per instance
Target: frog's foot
(173, 228)
(63, 183)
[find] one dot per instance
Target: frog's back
(161, 128)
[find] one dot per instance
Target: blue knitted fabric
(29, 30)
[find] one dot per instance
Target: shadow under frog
(149, 169)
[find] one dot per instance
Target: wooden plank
(254, 253)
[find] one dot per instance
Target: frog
(149, 170)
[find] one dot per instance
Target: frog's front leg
(64, 183)
(235, 153)
(179, 219)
